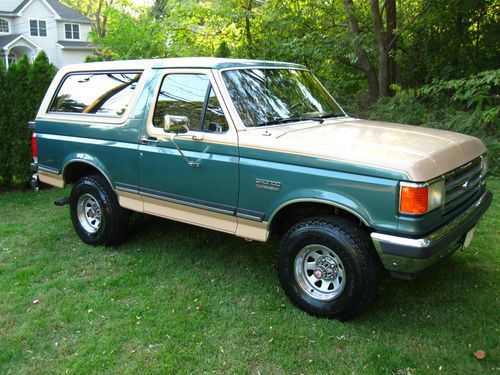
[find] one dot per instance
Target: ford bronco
(253, 148)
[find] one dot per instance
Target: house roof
(6, 39)
(9, 41)
(67, 13)
(16, 10)
(62, 11)
(75, 45)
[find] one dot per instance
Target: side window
(107, 94)
(214, 121)
(186, 95)
(181, 95)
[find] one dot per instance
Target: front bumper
(406, 257)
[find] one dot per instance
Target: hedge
(22, 88)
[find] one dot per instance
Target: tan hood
(420, 153)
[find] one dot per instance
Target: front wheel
(327, 266)
(97, 217)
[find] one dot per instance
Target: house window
(4, 26)
(72, 31)
(38, 28)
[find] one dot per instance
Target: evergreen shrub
(22, 88)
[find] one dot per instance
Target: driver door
(192, 176)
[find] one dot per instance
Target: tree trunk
(248, 28)
(159, 8)
(363, 59)
(391, 40)
(98, 24)
(383, 51)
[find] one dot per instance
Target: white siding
(9, 5)
(74, 56)
(37, 10)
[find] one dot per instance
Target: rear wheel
(97, 217)
(327, 266)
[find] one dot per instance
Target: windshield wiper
(290, 119)
(332, 114)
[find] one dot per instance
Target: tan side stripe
(49, 178)
(207, 219)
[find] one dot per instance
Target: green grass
(179, 299)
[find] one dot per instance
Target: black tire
(328, 267)
(94, 194)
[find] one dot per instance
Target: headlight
(436, 194)
(418, 199)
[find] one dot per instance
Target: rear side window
(105, 94)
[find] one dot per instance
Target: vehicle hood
(420, 153)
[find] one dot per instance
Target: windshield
(274, 96)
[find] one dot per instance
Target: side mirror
(176, 124)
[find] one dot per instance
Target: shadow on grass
(439, 296)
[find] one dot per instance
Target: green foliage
(92, 58)
(470, 106)
(3, 124)
(22, 89)
(479, 92)
(130, 37)
(449, 39)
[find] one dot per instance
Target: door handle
(149, 140)
(197, 137)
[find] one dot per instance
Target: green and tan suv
(253, 148)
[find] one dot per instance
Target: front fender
(345, 202)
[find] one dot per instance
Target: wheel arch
(288, 213)
(76, 168)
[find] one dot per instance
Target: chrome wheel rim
(89, 213)
(320, 272)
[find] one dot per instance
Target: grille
(461, 184)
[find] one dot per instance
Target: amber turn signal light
(414, 200)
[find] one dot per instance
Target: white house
(30, 26)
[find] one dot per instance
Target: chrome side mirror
(176, 124)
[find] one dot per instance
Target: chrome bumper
(405, 257)
(34, 181)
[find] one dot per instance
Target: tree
(22, 89)
(15, 129)
(131, 37)
(4, 142)
(354, 46)
(40, 76)
(378, 82)
(98, 11)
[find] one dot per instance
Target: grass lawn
(179, 299)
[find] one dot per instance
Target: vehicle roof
(180, 62)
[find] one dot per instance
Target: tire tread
(358, 239)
